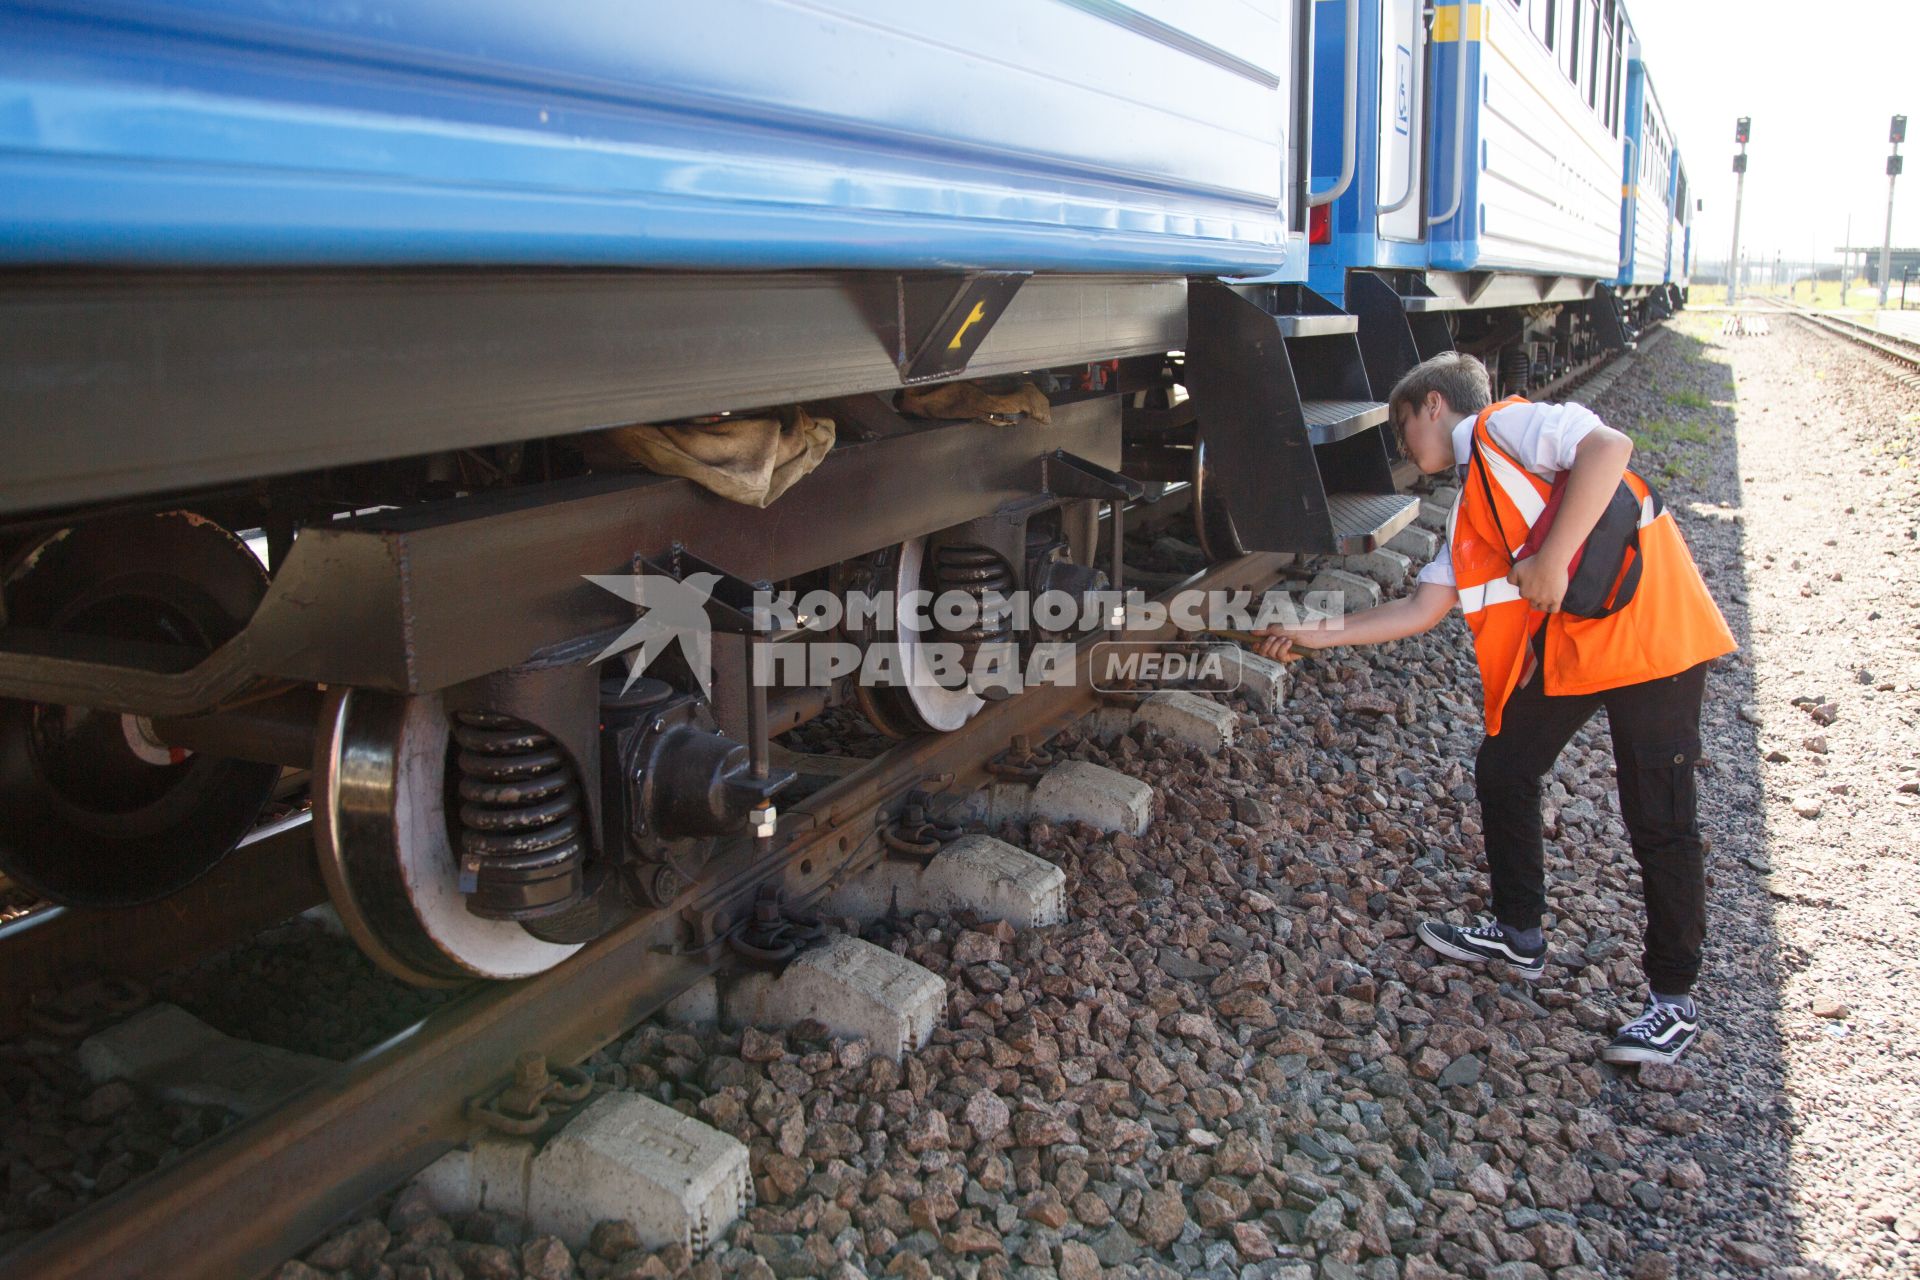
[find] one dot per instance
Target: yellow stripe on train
(1446, 23)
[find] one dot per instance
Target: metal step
(1316, 326)
(1331, 420)
(1420, 302)
(1363, 521)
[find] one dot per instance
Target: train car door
(1402, 119)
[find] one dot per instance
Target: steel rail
(257, 1194)
(1904, 350)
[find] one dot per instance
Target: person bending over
(1544, 672)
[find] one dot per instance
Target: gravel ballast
(1234, 1060)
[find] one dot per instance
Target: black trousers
(1656, 741)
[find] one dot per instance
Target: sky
(1821, 82)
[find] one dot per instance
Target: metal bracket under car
(416, 600)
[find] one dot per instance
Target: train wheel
(93, 810)
(380, 820)
(915, 702)
(1212, 526)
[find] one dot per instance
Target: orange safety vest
(1670, 625)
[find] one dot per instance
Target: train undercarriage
(489, 790)
(433, 643)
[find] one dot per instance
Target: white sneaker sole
(1636, 1056)
(1531, 973)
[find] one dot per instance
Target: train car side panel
(1540, 164)
(1647, 181)
(1354, 231)
(1680, 224)
(824, 133)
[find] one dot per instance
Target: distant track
(1904, 352)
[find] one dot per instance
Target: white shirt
(1540, 437)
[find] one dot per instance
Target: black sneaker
(1483, 942)
(1661, 1034)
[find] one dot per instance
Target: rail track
(384, 1115)
(1902, 352)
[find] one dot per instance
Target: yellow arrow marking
(978, 314)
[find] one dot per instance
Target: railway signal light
(1896, 134)
(1742, 130)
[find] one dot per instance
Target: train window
(1576, 15)
(1607, 64)
(1619, 82)
(1616, 44)
(1606, 95)
(1596, 65)
(1540, 15)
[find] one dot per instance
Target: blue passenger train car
(1489, 218)
(344, 346)
(1538, 145)
(1680, 270)
(829, 133)
(1646, 211)
(1655, 209)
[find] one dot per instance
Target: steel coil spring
(982, 574)
(1516, 369)
(522, 841)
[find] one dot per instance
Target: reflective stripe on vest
(1521, 487)
(1499, 591)
(1523, 494)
